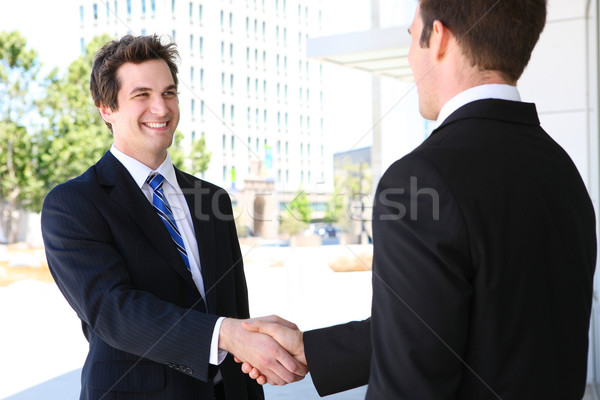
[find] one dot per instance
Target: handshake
(270, 349)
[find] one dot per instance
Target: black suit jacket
(484, 256)
(147, 324)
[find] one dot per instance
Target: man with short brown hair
(148, 255)
(484, 236)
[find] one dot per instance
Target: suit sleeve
(421, 285)
(90, 271)
(339, 356)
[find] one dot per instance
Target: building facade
(246, 87)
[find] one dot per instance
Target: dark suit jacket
(147, 325)
(484, 256)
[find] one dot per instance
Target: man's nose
(158, 106)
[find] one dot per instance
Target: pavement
(42, 348)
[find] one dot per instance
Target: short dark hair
(104, 84)
(495, 35)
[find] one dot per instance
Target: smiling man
(136, 247)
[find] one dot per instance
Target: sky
(48, 27)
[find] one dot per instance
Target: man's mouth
(156, 125)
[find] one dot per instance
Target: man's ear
(440, 42)
(106, 113)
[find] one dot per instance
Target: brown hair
(104, 84)
(495, 35)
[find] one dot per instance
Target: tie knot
(155, 181)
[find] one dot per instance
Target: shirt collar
(491, 91)
(140, 171)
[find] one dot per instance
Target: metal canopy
(378, 51)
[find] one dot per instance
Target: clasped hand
(270, 348)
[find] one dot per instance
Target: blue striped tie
(166, 214)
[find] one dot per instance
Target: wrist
(226, 334)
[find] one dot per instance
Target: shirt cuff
(216, 355)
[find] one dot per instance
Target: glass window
(230, 21)
(191, 75)
(143, 7)
(224, 142)
(247, 25)
(81, 14)
(173, 35)
(248, 116)
(200, 44)
(232, 143)
(232, 115)
(224, 173)
(248, 85)
(202, 76)
(265, 117)
(193, 106)
(173, 6)
(222, 111)
(129, 8)
(202, 108)
(82, 45)
(191, 43)
(222, 50)
(191, 9)
(223, 81)
(222, 19)
(116, 9)
(95, 11)
(230, 50)
(153, 6)
(143, 32)
(231, 82)
(200, 13)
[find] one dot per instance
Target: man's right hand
(249, 342)
(284, 332)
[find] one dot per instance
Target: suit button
(169, 365)
(189, 371)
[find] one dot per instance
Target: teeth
(156, 125)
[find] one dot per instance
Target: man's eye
(142, 95)
(170, 94)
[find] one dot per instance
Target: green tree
(74, 136)
(297, 215)
(19, 67)
(195, 160)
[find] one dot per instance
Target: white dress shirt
(181, 213)
(491, 91)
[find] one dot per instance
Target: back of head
(104, 83)
(497, 35)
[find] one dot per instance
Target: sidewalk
(66, 387)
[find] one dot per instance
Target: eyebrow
(145, 89)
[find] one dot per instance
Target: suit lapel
(130, 198)
(199, 202)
